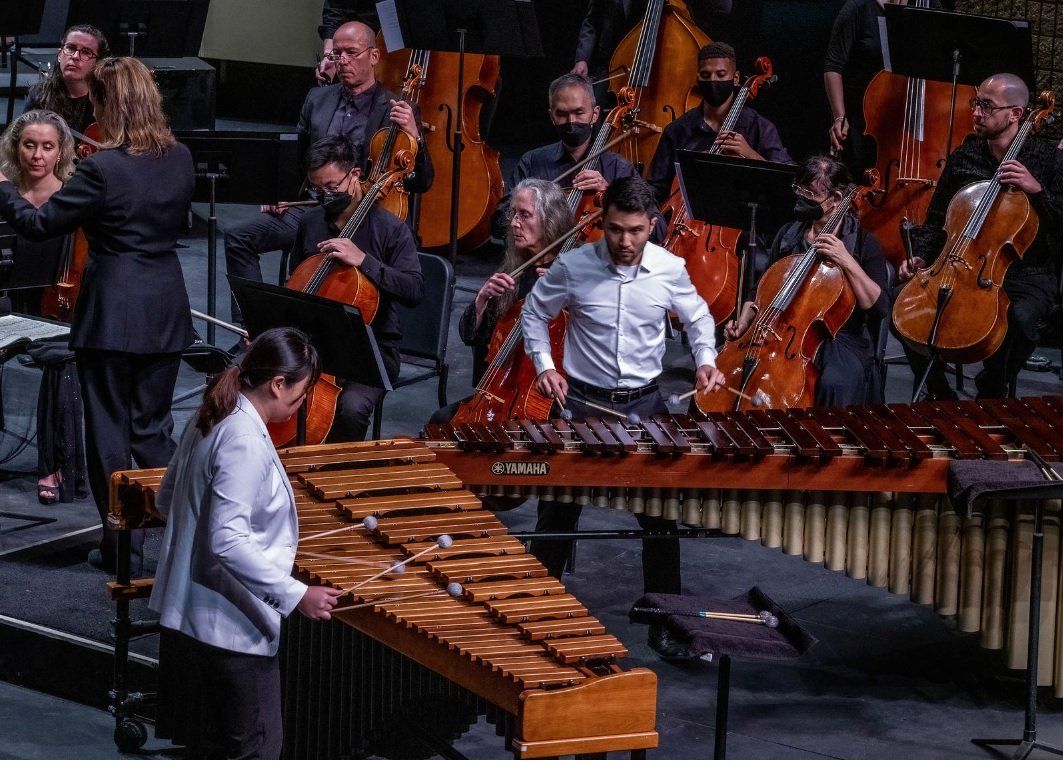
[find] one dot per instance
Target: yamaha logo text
(521, 468)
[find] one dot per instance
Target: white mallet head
(454, 589)
(370, 523)
(444, 541)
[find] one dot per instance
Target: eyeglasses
(803, 192)
(74, 51)
(332, 187)
(349, 55)
(986, 106)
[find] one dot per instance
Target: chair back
(426, 327)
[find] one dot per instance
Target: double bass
(955, 309)
(322, 275)
(481, 173)
(910, 121)
(802, 300)
(660, 58)
(710, 250)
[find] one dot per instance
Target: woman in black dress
(132, 319)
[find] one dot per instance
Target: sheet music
(388, 15)
(15, 328)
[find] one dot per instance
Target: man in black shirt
(753, 137)
(574, 113)
(356, 107)
(382, 248)
(1031, 282)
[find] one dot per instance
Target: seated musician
(382, 248)
(618, 293)
(36, 154)
(1031, 282)
(224, 576)
(573, 112)
(356, 106)
(66, 90)
(846, 362)
(753, 137)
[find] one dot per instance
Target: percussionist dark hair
(334, 149)
(824, 173)
(286, 352)
(630, 194)
(717, 50)
(52, 92)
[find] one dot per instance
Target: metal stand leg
(1029, 742)
(723, 699)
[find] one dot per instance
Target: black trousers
(246, 242)
(660, 557)
(243, 701)
(354, 408)
(846, 364)
(127, 401)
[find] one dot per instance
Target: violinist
(334, 14)
(384, 250)
(66, 90)
(754, 137)
(846, 362)
(573, 113)
(618, 292)
(36, 154)
(357, 106)
(854, 57)
(1031, 282)
(132, 320)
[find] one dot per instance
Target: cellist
(754, 136)
(573, 113)
(1031, 282)
(384, 250)
(846, 361)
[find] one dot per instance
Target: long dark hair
(286, 352)
(52, 91)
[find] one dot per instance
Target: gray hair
(9, 161)
(570, 80)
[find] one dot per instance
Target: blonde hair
(9, 159)
(128, 107)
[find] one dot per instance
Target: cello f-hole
(983, 282)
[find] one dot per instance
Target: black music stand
(18, 19)
(166, 28)
(737, 193)
(35, 269)
(345, 344)
(1028, 743)
(488, 27)
(943, 46)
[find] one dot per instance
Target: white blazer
(224, 575)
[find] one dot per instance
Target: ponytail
(219, 400)
(286, 352)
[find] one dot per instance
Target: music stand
(28, 271)
(738, 193)
(488, 27)
(943, 46)
(18, 19)
(345, 344)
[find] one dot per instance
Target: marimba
(857, 489)
(512, 643)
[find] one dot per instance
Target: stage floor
(887, 679)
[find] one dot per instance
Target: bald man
(356, 106)
(1032, 282)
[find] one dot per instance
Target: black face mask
(332, 201)
(807, 211)
(573, 134)
(716, 92)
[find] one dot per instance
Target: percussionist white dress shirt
(616, 315)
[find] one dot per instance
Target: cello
(58, 301)
(909, 159)
(710, 250)
(392, 139)
(659, 57)
(507, 388)
(801, 301)
(481, 174)
(322, 275)
(955, 309)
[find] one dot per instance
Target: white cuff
(543, 362)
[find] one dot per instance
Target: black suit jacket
(316, 115)
(132, 209)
